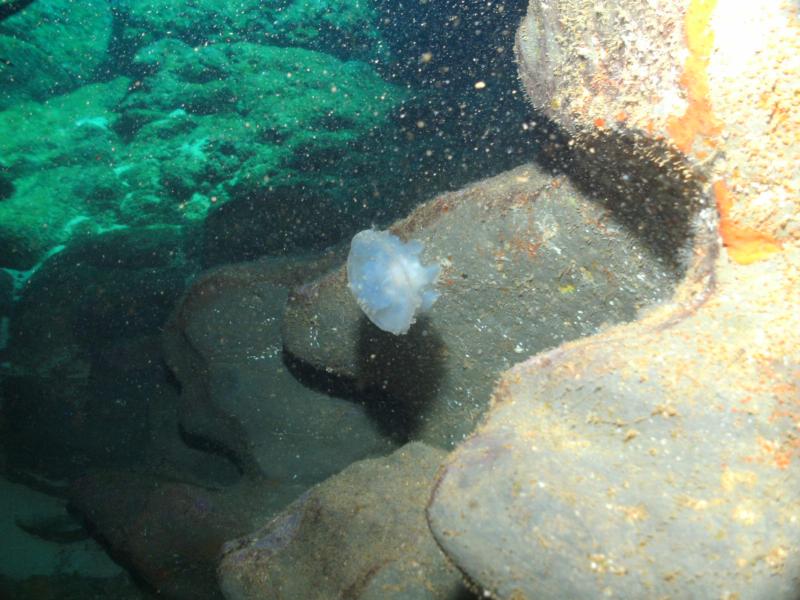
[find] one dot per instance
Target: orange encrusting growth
(698, 119)
(698, 124)
(745, 245)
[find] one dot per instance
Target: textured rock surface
(281, 136)
(290, 125)
(57, 164)
(340, 27)
(655, 460)
(707, 80)
(361, 534)
(167, 532)
(528, 262)
(223, 344)
(659, 458)
(37, 63)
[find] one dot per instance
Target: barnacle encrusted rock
(659, 458)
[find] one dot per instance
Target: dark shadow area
(647, 186)
(322, 381)
(277, 221)
(58, 529)
(136, 579)
(464, 593)
(406, 370)
(6, 184)
(398, 376)
(211, 446)
(657, 200)
(9, 8)
(73, 587)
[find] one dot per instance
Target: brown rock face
(706, 86)
(658, 458)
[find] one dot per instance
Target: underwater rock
(122, 283)
(344, 29)
(51, 48)
(361, 534)
(658, 458)
(271, 149)
(527, 263)
(86, 366)
(58, 159)
(166, 532)
(669, 81)
(9, 7)
(237, 396)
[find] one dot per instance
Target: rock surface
(659, 458)
(58, 165)
(37, 62)
(167, 532)
(238, 122)
(655, 460)
(527, 263)
(223, 344)
(342, 28)
(361, 534)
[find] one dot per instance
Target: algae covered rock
(343, 28)
(58, 162)
(286, 135)
(52, 47)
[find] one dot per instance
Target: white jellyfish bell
(388, 280)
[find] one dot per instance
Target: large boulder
(659, 458)
(361, 534)
(237, 396)
(528, 262)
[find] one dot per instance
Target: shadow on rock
(398, 400)
(396, 379)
